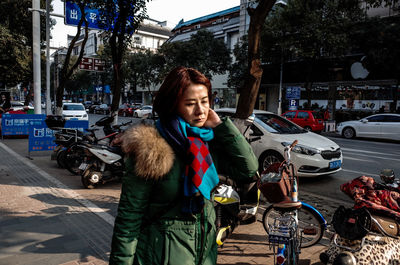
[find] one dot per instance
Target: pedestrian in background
(166, 213)
(5, 104)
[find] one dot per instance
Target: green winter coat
(143, 233)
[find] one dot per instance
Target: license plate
(335, 164)
(83, 166)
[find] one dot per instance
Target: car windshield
(318, 115)
(276, 124)
(73, 107)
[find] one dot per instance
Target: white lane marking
(65, 189)
(357, 159)
(359, 172)
(371, 155)
(368, 152)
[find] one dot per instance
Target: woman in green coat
(166, 213)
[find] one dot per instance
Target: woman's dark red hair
(174, 85)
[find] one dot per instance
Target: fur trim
(153, 156)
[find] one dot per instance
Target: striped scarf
(190, 144)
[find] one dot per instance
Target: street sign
(73, 15)
(292, 92)
(86, 64)
(92, 64)
(92, 15)
(293, 104)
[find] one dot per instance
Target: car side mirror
(364, 120)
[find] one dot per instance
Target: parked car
(314, 155)
(308, 119)
(145, 111)
(382, 126)
(125, 110)
(102, 109)
(74, 111)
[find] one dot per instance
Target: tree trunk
(249, 92)
(65, 72)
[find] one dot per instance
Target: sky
(171, 11)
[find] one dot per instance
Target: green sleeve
(133, 204)
(233, 154)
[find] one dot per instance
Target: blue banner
(41, 138)
(18, 124)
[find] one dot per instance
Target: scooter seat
(286, 206)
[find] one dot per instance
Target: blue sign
(18, 124)
(41, 138)
(77, 124)
(292, 92)
(73, 15)
(107, 89)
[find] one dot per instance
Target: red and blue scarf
(190, 144)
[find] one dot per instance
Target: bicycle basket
(273, 186)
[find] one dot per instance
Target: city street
(66, 222)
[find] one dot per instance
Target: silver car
(382, 126)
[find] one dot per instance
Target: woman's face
(194, 105)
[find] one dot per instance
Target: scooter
(102, 164)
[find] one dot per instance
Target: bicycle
(290, 224)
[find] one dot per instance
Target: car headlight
(84, 115)
(302, 149)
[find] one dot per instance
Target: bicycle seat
(286, 206)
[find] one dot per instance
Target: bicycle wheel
(311, 229)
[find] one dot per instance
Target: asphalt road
(360, 157)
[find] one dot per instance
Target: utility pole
(36, 55)
(48, 99)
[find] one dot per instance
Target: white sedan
(145, 111)
(314, 155)
(383, 126)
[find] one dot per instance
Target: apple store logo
(358, 71)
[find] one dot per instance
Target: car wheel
(308, 128)
(135, 115)
(348, 133)
(268, 158)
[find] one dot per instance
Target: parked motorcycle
(101, 164)
(369, 233)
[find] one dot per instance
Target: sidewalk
(43, 222)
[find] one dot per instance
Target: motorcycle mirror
(250, 120)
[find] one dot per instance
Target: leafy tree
(16, 41)
(257, 18)
(125, 16)
(202, 51)
(144, 68)
(311, 30)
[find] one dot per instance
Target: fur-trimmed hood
(153, 156)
